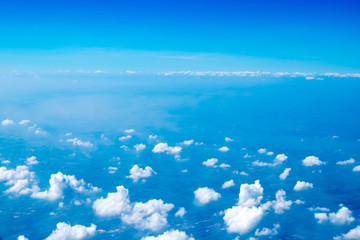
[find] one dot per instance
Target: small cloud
(312, 161)
(224, 165)
(124, 138)
(262, 150)
(301, 185)
(137, 173)
(188, 142)
(181, 212)
(228, 184)
(224, 149)
(210, 162)
(346, 162)
(356, 169)
(140, 147)
(78, 142)
(164, 148)
(31, 160)
(152, 137)
(205, 195)
(66, 231)
(285, 174)
(227, 139)
(129, 131)
(112, 169)
(7, 122)
(24, 122)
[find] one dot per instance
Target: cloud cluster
(7, 122)
(205, 195)
(341, 217)
(21, 180)
(170, 235)
(267, 231)
(151, 215)
(79, 142)
(353, 234)
(31, 160)
(224, 149)
(164, 148)
(346, 162)
(279, 159)
(137, 173)
(65, 231)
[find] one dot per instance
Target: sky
(307, 36)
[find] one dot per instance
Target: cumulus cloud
(137, 173)
(341, 217)
(151, 215)
(152, 137)
(250, 194)
(224, 149)
(224, 165)
(227, 139)
(346, 162)
(124, 138)
(356, 169)
(65, 231)
(228, 184)
(170, 235)
(312, 161)
(188, 142)
(280, 204)
(262, 150)
(59, 182)
(279, 159)
(31, 160)
(139, 147)
(22, 237)
(285, 174)
(24, 122)
(21, 180)
(205, 195)
(7, 122)
(129, 131)
(267, 231)
(78, 142)
(353, 234)
(210, 162)
(181, 212)
(301, 185)
(164, 148)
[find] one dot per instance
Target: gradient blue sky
(276, 35)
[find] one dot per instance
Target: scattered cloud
(346, 162)
(78, 142)
(267, 231)
(262, 150)
(7, 122)
(210, 162)
(224, 149)
(140, 147)
(356, 169)
(280, 204)
(31, 160)
(129, 131)
(188, 142)
(181, 212)
(21, 180)
(285, 174)
(124, 138)
(227, 139)
(137, 173)
(341, 217)
(205, 195)
(353, 234)
(77, 232)
(312, 161)
(164, 148)
(301, 185)
(228, 184)
(170, 235)
(24, 122)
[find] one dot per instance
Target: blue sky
(276, 35)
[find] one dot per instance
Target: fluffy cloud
(228, 184)
(151, 215)
(279, 159)
(181, 212)
(22, 237)
(78, 142)
(250, 194)
(136, 172)
(227, 139)
(65, 231)
(356, 169)
(164, 148)
(280, 204)
(139, 147)
(205, 195)
(21, 180)
(353, 234)
(224, 165)
(7, 122)
(59, 182)
(301, 185)
(114, 204)
(349, 161)
(210, 162)
(224, 149)
(129, 131)
(170, 235)
(124, 138)
(31, 160)
(24, 122)
(285, 174)
(267, 231)
(312, 161)
(188, 142)
(262, 150)
(341, 217)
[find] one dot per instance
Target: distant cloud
(129, 131)
(210, 162)
(224, 165)
(137, 173)
(224, 149)
(228, 184)
(170, 235)
(353, 234)
(312, 161)
(140, 147)
(279, 159)
(267, 231)
(285, 174)
(356, 169)
(7, 122)
(205, 195)
(76, 232)
(31, 160)
(280, 204)
(21, 181)
(24, 122)
(301, 185)
(164, 148)
(262, 150)
(346, 162)
(181, 212)
(78, 142)
(227, 139)
(124, 138)
(188, 142)
(341, 217)
(22, 237)
(152, 137)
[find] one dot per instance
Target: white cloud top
(205, 195)
(7, 122)
(353, 234)
(224, 149)
(267, 231)
(164, 148)
(301, 185)
(341, 217)
(170, 235)
(285, 174)
(227, 139)
(280, 204)
(250, 194)
(78, 142)
(312, 161)
(228, 184)
(24, 122)
(181, 212)
(114, 204)
(210, 162)
(20, 180)
(137, 173)
(129, 131)
(188, 142)
(140, 147)
(346, 162)
(31, 160)
(65, 231)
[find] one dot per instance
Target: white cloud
(139, 147)
(267, 231)
(285, 174)
(224, 149)
(312, 161)
(151, 215)
(270, 153)
(78, 142)
(152, 137)
(279, 159)
(124, 138)
(353, 234)
(164, 148)
(24, 122)
(262, 150)
(137, 173)
(224, 165)
(170, 235)
(356, 169)
(349, 161)
(250, 194)
(22, 237)
(114, 204)
(20, 180)
(205, 195)
(65, 231)
(7, 122)
(181, 212)
(129, 131)
(112, 169)
(227, 139)
(341, 217)
(59, 182)
(188, 142)
(31, 160)
(301, 185)
(280, 204)
(228, 184)
(210, 162)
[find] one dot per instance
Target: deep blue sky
(325, 32)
